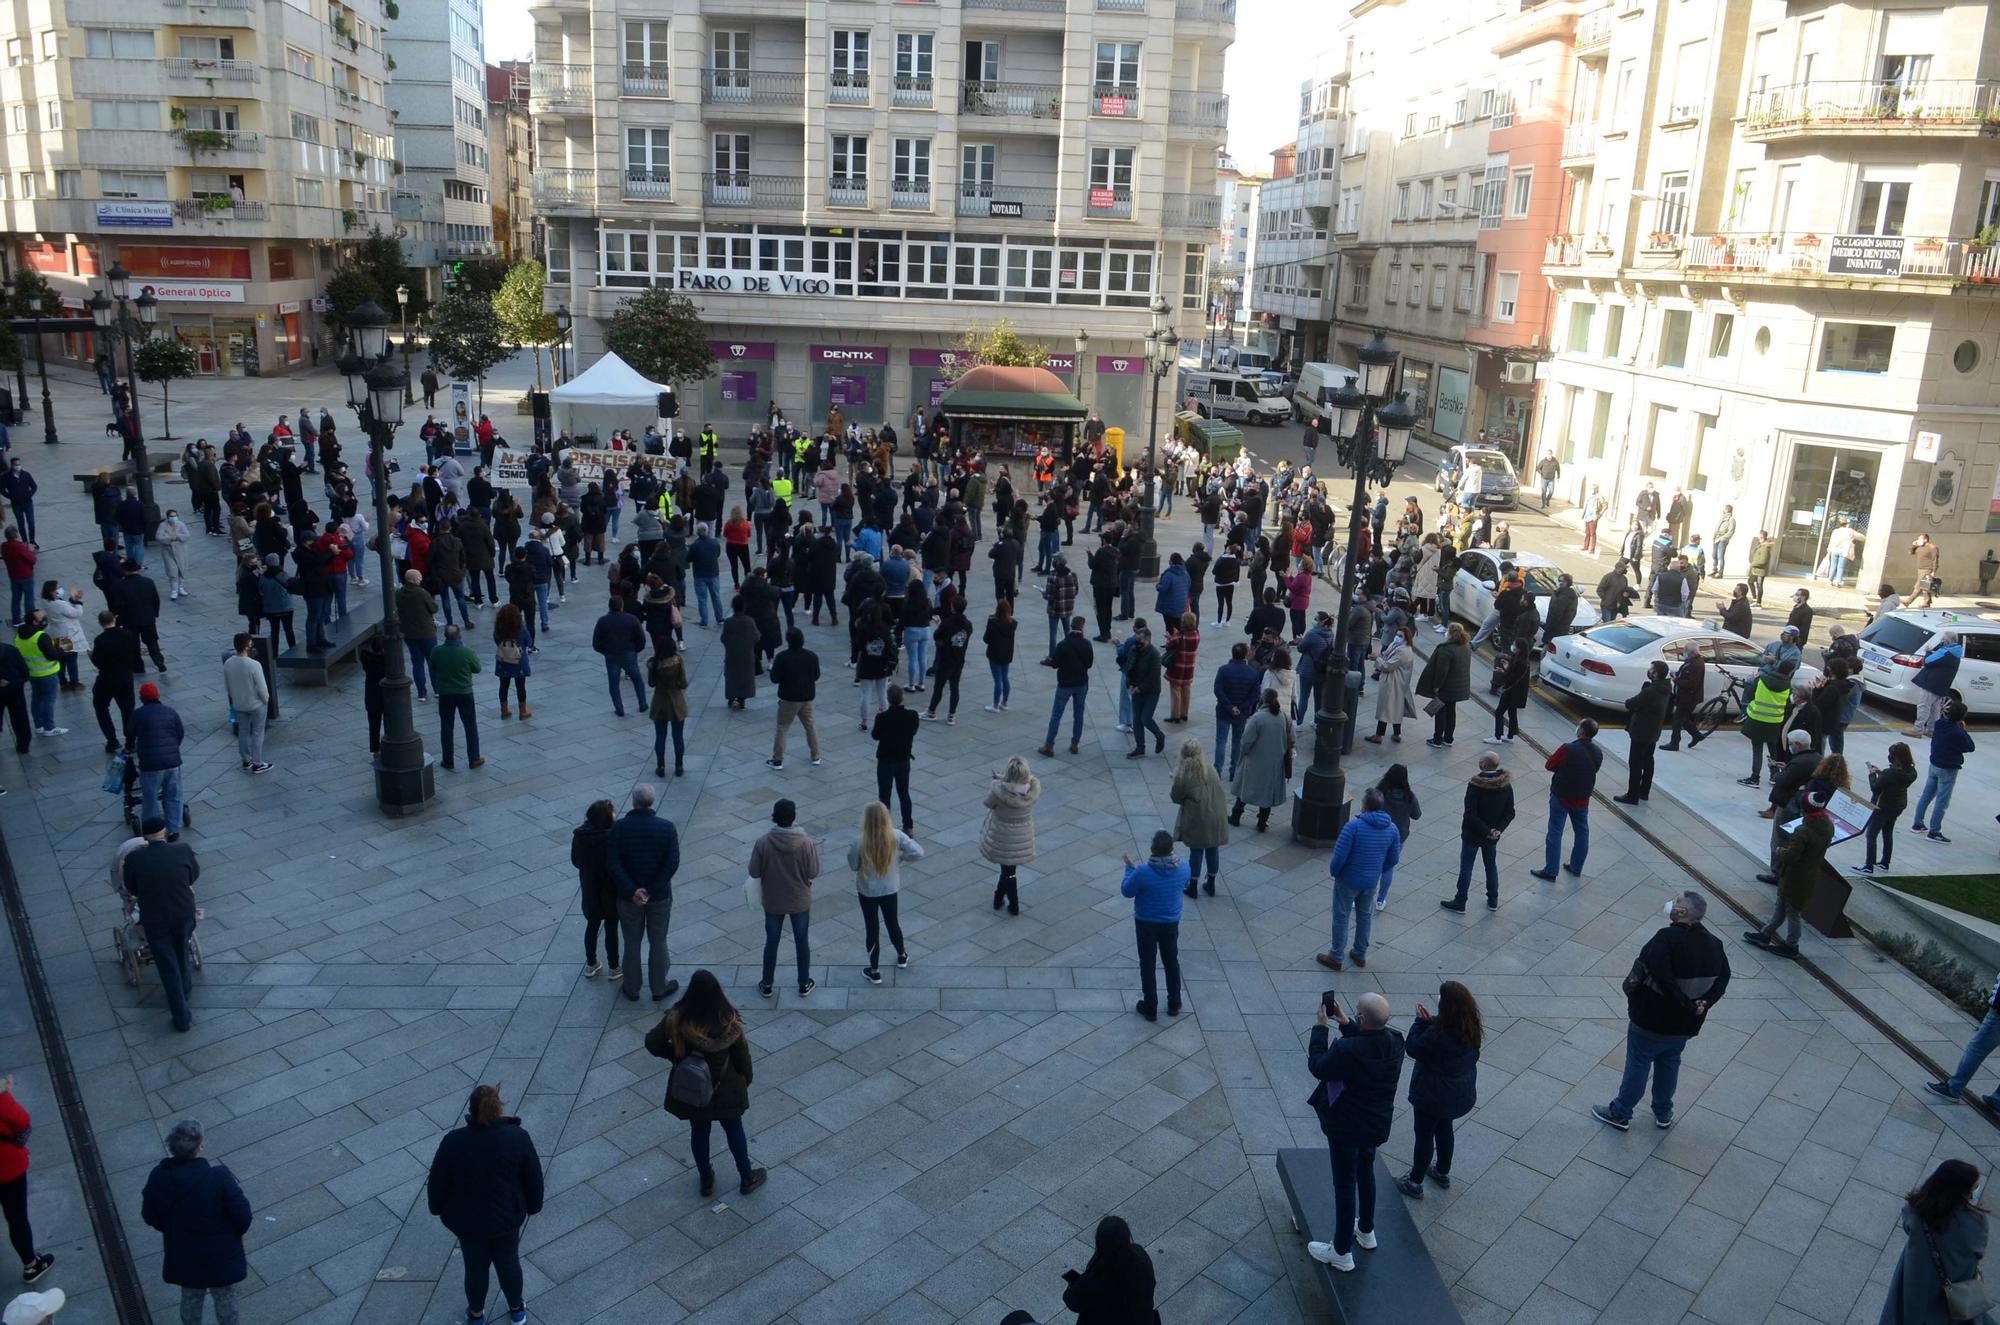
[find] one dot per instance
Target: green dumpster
(1219, 441)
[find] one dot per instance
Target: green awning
(961, 403)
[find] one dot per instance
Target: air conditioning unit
(1520, 373)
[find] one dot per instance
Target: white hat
(34, 1308)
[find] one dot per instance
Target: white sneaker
(1365, 1241)
(1496, 740)
(53, 731)
(992, 708)
(1324, 1253)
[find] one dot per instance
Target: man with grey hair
(642, 852)
(202, 1216)
(1354, 1097)
(1680, 974)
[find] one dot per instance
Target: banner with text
(511, 466)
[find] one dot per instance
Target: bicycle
(1722, 710)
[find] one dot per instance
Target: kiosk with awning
(1012, 412)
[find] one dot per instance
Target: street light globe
(1378, 361)
(1347, 402)
(403, 296)
(148, 304)
(1395, 419)
(100, 309)
(385, 392)
(121, 281)
(352, 367)
(370, 326)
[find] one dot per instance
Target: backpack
(690, 1083)
(508, 652)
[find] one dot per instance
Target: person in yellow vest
(804, 455)
(711, 448)
(1764, 717)
(665, 503)
(38, 651)
(781, 490)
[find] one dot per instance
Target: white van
(1234, 397)
(1317, 382)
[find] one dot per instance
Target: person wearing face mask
(1680, 974)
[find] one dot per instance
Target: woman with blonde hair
(876, 859)
(1008, 837)
(1202, 823)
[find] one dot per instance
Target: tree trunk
(536, 350)
(166, 418)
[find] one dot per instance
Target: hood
(1021, 795)
(1166, 868)
(1497, 780)
(1377, 819)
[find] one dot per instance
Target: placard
(1003, 209)
(1849, 817)
(847, 389)
(939, 386)
(211, 264)
(1118, 363)
(1926, 449)
(1865, 255)
(874, 356)
(1103, 200)
(1110, 105)
(511, 466)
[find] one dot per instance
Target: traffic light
(453, 273)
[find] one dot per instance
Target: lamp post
(1082, 358)
(48, 305)
(115, 313)
(1372, 435)
(560, 368)
(1163, 352)
(404, 781)
(403, 310)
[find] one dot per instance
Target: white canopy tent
(608, 395)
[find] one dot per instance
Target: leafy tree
(373, 269)
(466, 338)
(519, 304)
(164, 359)
(481, 276)
(661, 334)
(999, 345)
(29, 295)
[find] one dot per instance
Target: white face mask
(1978, 1191)
(1669, 909)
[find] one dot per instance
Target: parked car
(1478, 579)
(1499, 487)
(1892, 644)
(1604, 665)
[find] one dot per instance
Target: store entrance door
(1827, 484)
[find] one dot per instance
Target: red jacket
(20, 559)
(338, 550)
(13, 1123)
(419, 555)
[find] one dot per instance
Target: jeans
(1936, 787)
(1164, 940)
(20, 598)
(774, 928)
(420, 658)
(874, 697)
(1836, 567)
(650, 921)
(1228, 733)
(1485, 850)
(1353, 1193)
(160, 796)
(454, 590)
(917, 648)
(1002, 687)
(135, 548)
(1548, 491)
(1058, 627)
(732, 1132)
(707, 590)
(1880, 827)
(542, 602)
(1046, 549)
(894, 774)
(590, 929)
(877, 912)
(104, 694)
(462, 708)
(1560, 814)
(318, 611)
(1786, 916)
(1984, 1040)
(42, 700)
(502, 1257)
(677, 728)
(1128, 581)
(1142, 719)
(1431, 1131)
(224, 1299)
(249, 734)
(618, 665)
(20, 1232)
(24, 519)
(1721, 556)
(168, 942)
(1066, 695)
(1659, 1054)
(1356, 901)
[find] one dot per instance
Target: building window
(1721, 329)
(1111, 171)
(1465, 289)
(1614, 330)
(305, 128)
(915, 63)
(1488, 101)
(52, 114)
(1395, 282)
(1520, 192)
(298, 62)
(648, 50)
(1117, 68)
(1194, 281)
(1350, 210)
(1439, 286)
(114, 44)
(1600, 424)
(1989, 205)
(1674, 325)
(850, 64)
(1856, 347)
(1581, 315)
(309, 192)
(124, 114)
(912, 165)
(131, 184)
(849, 160)
(1880, 208)
(1492, 193)
(1357, 284)
(1506, 295)
(21, 119)
(69, 183)
(647, 158)
(17, 51)
(1674, 203)
(1402, 203)
(1416, 286)
(1426, 200)
(1410, 125)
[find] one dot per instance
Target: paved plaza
(940, 1147)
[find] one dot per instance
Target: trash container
(1115, 439)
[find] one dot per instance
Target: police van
(1234, 397)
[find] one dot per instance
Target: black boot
(1209, 887)
(1236, 815)
(1190, 890)
(1263, 819)
(999, 894)
(1013, 897)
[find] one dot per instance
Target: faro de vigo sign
(741, 282)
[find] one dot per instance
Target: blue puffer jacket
(1445, 1081)
(1171, 594)
(156, 737)
(1237, 685)
(203, 1215)
(1940, 669)
(1366, 851)
(1154, 885)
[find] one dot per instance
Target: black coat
(1444, 1083)
(1116, 1294)
(1366, 1066)
(728, 1067)
(1560, 619)
(587, 851)
(1489, 804)
(1648, 712)
(202, 1216)
(1679, 965)
(486, 1179)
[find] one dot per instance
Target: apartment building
(1234, 254)
(444, 202)
(846, 188)
(1775, 277)
(224, 152)
(1286, 287)
(510, 150)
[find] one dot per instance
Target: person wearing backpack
(709, 1082)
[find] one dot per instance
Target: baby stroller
(124, 771)
(129, 937)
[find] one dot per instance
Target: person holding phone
(1354, 1096)
(1444, 1083)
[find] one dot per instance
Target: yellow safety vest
(39, 663)
(709, 444)
(803, 448)
(1766, 704)
(781, 488)
(666, 504)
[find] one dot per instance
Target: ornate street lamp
(1082, 358)
(49, 304)
(560, 370)
(115, 313)
(403, 308)
(1163, 352)
(1371, 433)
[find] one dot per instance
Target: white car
(1499, 486)
(1478, 579)
(1892, 644)
(1605, 665)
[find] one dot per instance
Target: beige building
(511, 148)
(1776, 274)
(846, 188)
(223, 152)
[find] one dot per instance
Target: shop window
(1856, 347)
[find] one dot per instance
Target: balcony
(1109, 204)
(1039, 101)
(561, 188)
(656, 185)
(1121, 6)
(1944, 108)
(1018, 6)
(1197, 214)
(559, 89)
(846, 191)
(735, 87)
(1197, 116)
(220, 71)
(847, 89)
(1579, 149)
(735, 189)
(646, 80)
(1891, 258)
(909, 195)
(1114, 101)
(1206, 11)
(1562, 251)
(471, 248)
(1593, 33)
(912, 92)
(1005, 202)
